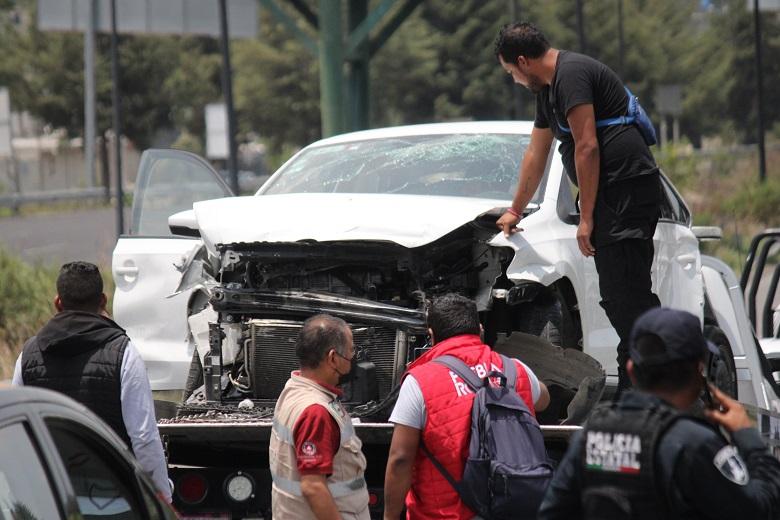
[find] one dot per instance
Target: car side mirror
(707, 232)
(184, 223)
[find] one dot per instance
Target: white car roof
(465, 127)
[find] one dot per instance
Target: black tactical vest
(88, 373)
(618, 454)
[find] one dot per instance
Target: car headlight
(240, 487)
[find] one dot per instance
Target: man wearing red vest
(434, 408)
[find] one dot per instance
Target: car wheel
(575, 380)
(721, 370)
(543, 320)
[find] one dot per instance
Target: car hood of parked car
(408, 220)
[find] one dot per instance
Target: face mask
(349, 376)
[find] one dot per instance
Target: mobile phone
(706, 395)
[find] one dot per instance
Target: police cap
(679, 331)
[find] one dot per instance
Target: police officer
(645, 457)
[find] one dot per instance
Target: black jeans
(626, 290)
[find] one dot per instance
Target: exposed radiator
(272, 351)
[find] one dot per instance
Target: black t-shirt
(578, 80)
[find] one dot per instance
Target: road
(56, 238)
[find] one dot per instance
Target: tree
(276, 86)
(193, 82)
(45, 74)
(721, 97)
(438, 66)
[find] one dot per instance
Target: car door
(675, 273)
(105, 483)
(147, 262)
(677, 276)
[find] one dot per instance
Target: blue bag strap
(462, 369)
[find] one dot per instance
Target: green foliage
(276, 87)
(45, 75)
(758, 201)
(189, 143)
(193, 81)
(26, 296)
(679, 165)
(437, 66)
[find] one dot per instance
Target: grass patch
(721, 189)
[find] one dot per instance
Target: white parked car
(367, 226)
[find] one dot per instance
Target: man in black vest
(645, 457)
(83, 354)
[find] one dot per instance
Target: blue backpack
(635, 115)
(507, 470)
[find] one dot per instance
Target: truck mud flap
(576, 380)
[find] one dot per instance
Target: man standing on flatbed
(578, 100)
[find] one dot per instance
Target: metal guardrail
(16, 200)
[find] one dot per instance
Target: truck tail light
(192, 488)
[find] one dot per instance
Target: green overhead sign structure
(348, 35)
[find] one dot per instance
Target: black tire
(566, 372)
(194, 376)
(721, 371)
(552, 316)
(541, 319)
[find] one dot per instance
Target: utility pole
(344, 93)
(89, 93)
(759, 94)
(357, 79)
(331, 54)
(227, 89)
(117, 113)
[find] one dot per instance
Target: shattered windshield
(457, 165)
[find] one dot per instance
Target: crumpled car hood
(408, 220)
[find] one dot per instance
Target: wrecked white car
(369, 226)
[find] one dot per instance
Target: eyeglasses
(345, 358)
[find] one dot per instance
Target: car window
(104, 484)
(567, 201)
(25, 491)
(672, 206)
(170, 181)
(459, 165)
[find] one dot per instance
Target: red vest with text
(447, 427)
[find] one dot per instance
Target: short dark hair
(318, 336)
(80, 287)
(520, 39)
(672, 376)
(451, 315)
